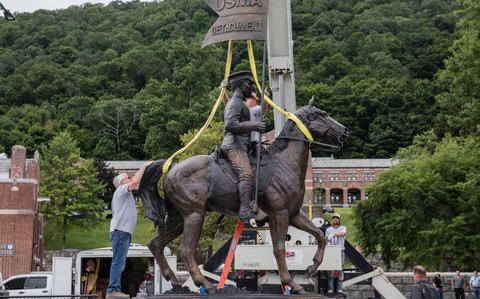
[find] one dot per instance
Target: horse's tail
(153, 204)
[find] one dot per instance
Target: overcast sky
(32, 5)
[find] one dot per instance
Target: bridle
(326, 147)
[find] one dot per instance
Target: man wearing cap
(122, 225)
(236, 140)
(335, 235)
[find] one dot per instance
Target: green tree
(425, 210)
(117, 120)
(72, 185)
(460, 103)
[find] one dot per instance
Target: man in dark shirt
(438, 285)
(422, 289)
(236, 140)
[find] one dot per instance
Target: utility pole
(6, 13)
(280, 59)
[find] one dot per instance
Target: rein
(328, 146)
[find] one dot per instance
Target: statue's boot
(245, 194)
(260, 215)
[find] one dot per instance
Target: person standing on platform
(122, 225)
(256, 114)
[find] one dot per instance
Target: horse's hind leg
(301, 222)
(278, 229)
(191, 234)
(173, 228)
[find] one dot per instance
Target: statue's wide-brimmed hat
(240, 76)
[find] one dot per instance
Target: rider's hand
(260, 127)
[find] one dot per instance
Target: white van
(136, 278)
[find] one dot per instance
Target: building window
(336, 197)
(318, 195)
(368, 176)
(351, 176)
(353, 196)
(318, 177)
(334, 176)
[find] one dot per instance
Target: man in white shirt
(475, 284)
(122, 225)
(335, 235)
(256, 113)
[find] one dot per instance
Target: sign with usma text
(238, 20)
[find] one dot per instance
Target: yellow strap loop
(223, 92)
(287, 114)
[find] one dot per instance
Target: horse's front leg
(192, 229)
(301, 222)
(278, 230)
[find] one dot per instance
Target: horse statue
(187, 189)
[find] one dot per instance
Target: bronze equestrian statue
(193, 187)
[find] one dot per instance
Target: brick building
(342, 182)
(21, 225)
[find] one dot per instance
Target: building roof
(125, 165)
(316, 163)
(352, 163)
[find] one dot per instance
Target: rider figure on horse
(236, 141)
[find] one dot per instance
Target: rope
(287, 114)
(223, 92)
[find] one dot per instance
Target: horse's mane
(289, 129)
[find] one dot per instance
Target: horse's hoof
(311, 271)
(211, 290)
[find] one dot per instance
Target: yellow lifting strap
(287, 114)
(223, 92)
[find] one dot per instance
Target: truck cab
(33, 284)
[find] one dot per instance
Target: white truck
(57, 282)
(141, 274)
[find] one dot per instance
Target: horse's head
(323, 127)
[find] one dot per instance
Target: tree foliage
(460, 101)
(371, 64)
(425, 210)
(72, 185)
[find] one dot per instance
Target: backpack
(428, 292)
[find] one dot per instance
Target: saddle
(222, 168)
